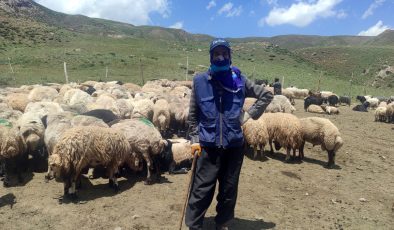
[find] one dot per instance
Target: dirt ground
(357, 194)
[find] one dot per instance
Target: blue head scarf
(221, 70)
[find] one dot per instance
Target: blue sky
(236, 18)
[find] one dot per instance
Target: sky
(243, 18)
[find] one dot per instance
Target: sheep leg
(271, 149)
(149, 167)
(6, 182)
(113, 181)
(255, 153)
(330, 163)
(301, 151)
(287, 159)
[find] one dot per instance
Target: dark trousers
(214, 164)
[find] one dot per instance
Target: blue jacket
(215, 111)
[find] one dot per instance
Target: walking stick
(189, 186)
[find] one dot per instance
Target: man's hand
(196, 149)
(244, 117)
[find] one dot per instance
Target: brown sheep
(81, 147)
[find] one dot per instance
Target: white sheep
(256, 135)
(176, 157)
(161, 115)
(144, 139)
(330, 109)
(315, 109)
(90, 146)
(285, 129)
(12, 149)
(18, 101)
(380, 114)
(42, 93)
(143, 108)
(321, 131)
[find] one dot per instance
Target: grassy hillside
(37, 50)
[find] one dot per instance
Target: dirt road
(358, 194)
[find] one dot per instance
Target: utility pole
(12, 70)
(106, 73)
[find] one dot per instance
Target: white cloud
(136, 12)
(177, 25)
(372, 8)
(301, 13)
(374, 30)
(211, 4)
(230, 10)
(272, 2)
(341, 14)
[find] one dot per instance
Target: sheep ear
(164, 142)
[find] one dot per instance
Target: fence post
(142, 72)
(65, 72)
(187, 67)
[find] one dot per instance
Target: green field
(36, 47)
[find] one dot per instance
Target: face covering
(220, 65)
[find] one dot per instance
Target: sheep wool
(80, 147)
(321, 131)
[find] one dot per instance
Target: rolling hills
(36, 41)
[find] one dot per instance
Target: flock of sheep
(74, 127)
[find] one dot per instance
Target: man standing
(277, 87)
(215, 120)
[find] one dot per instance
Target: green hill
(38, 41)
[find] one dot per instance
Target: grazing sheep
(143, 108)
(42, 93)
(81, 147)
(17, 101)
(298, 93)
(161, 115)
(380, 114)
(315, 109)
(256, 135)
(179, 111)
(12, 153)
(32, 130)
(390, 112)
(332, 100)
(176, 157)
(373, 103)
(321, 131)
(382, 104)
(345, 100)
(312, 100)
(285, 129)
(43, 108)
(144, 139)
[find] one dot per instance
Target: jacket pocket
(208, 107)
(235, 110)
(234, 130)
(207, 131)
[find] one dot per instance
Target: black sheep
(361, 108)
(345, 100)
(312, 100)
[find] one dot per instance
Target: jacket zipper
(221, 120)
